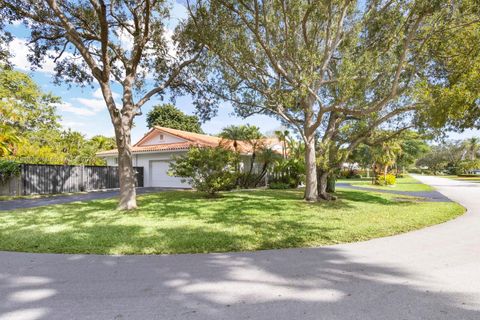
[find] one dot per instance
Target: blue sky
(83, 109)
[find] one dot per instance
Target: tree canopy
(449, 87)
(335, 70)
(167, 115)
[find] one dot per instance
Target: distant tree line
(453, 157)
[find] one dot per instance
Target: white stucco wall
(155, 139)
(144, 160)
(111, 161)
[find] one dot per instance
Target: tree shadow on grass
(239, 221)
(322, 283)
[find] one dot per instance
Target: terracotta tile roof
(157, 147)
(190, 136)
(192, 139)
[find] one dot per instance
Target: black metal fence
(49, 179)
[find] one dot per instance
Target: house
(161, 145)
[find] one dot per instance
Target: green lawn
(407, 183)
(37, 196)
(184, 221)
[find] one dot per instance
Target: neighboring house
(160, 145)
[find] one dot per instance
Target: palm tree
(103, 143)
(248, 134)
(267, 156)
(282, 136)
(256, 141)
(235, 134)
(8, 139)
(385, 154)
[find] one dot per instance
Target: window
(161, 137)
(115, 160)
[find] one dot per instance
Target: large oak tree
(335, 70)
(117, 42)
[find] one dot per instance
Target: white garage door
(160, 178)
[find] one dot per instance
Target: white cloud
(98, 94)
(126, 39)
(86, 106)
(72, 124)
(86, 127)
(94, 105)
(68, 107)
(20, 50)
(172, 48)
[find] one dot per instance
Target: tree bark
(323, 186)
(331, 183)
(127, 174)
(311, 188)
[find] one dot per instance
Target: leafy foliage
(454, 157)
(400, 150)
(450, 88)
(30, 131)
(208, 170)
(388, 180)
(290, 170)
(241, 133)
(24, 108)
(62, 147)
(472, 148)
(260, 155)
(8, 169)
(167, 115)
(467, 166)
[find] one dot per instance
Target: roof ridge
(184, 133)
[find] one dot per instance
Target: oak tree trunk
(323, 186)
(331, 180)
(127, 174)
(311, 191)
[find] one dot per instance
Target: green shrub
(208, 170)
(8, 169)
(291, 172)
(389, 180)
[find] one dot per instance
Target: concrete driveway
(433, 273)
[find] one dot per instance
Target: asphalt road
(432, 273)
